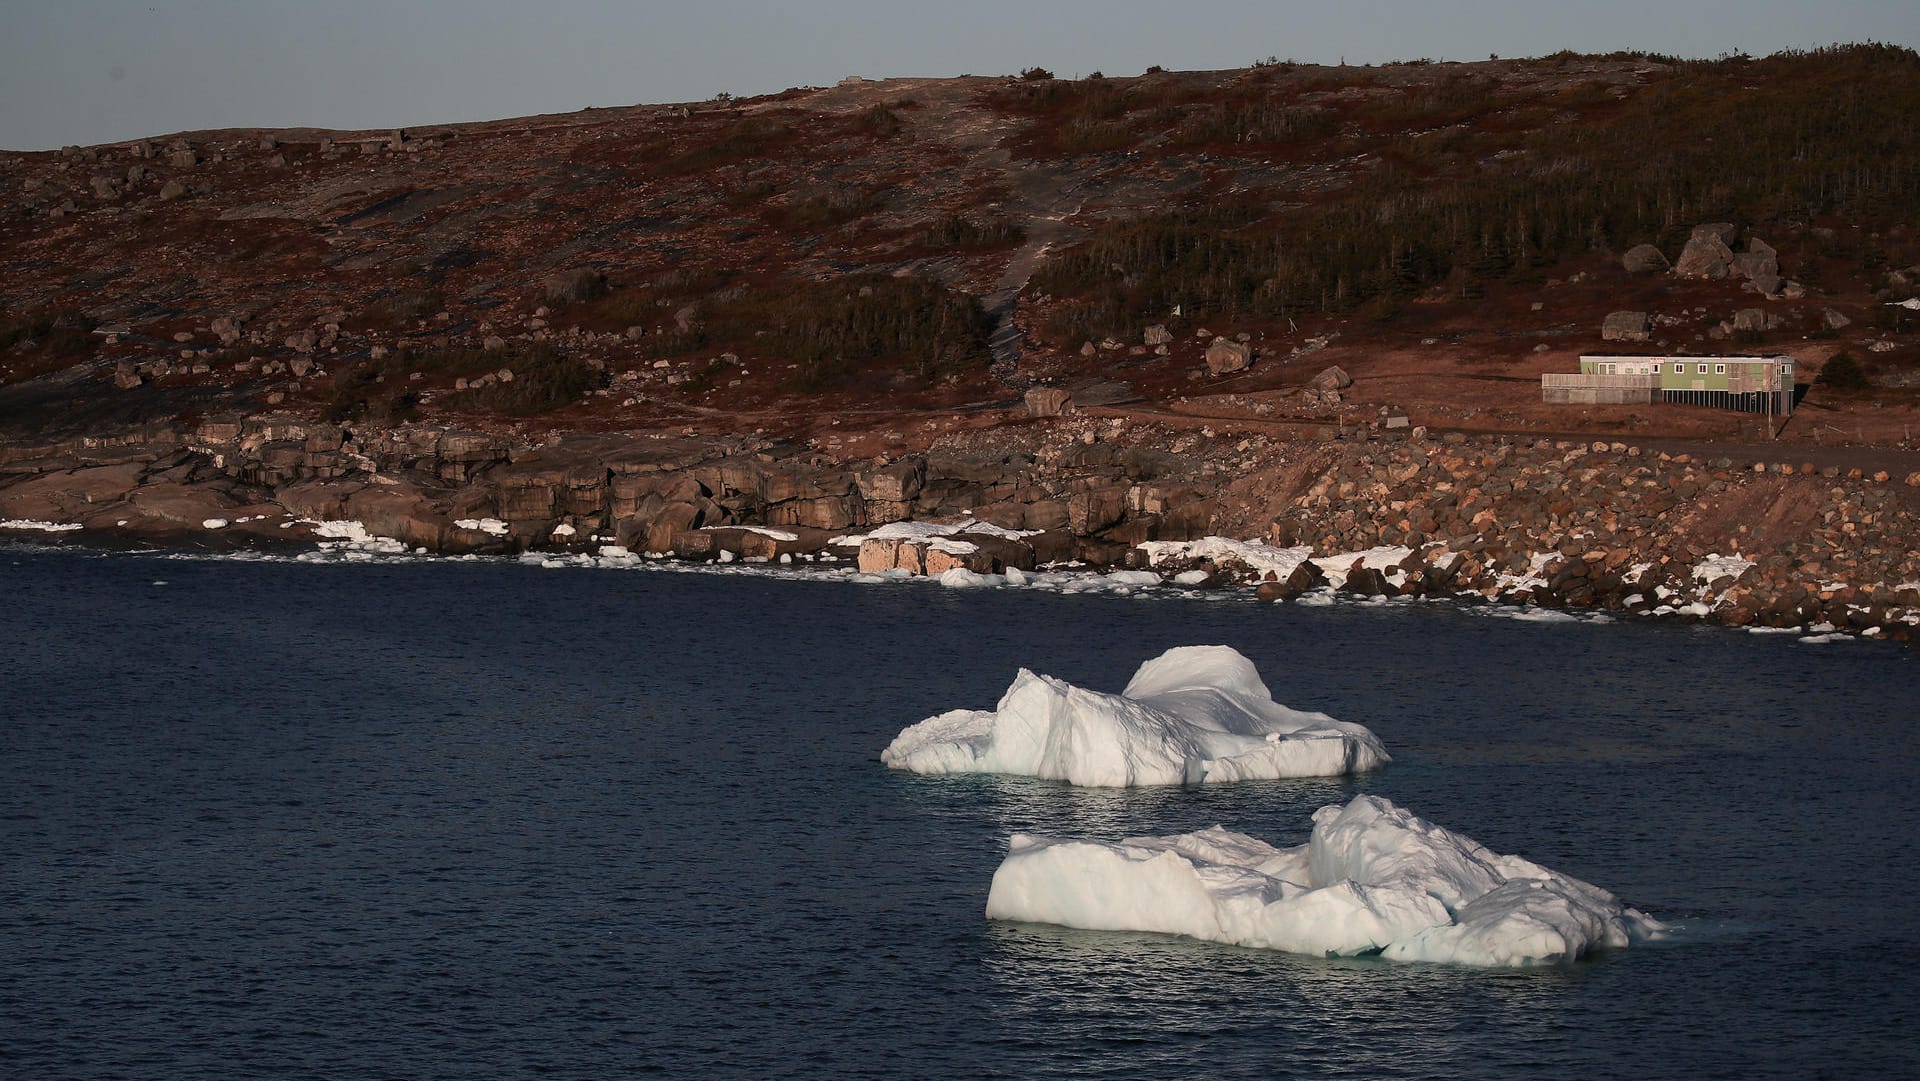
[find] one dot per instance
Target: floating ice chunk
(214, 523)
(1528, 614)
(962, 578)
(1195, 713)
(1825, 638)
(1372, 879)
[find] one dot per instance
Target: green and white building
(1743, 383)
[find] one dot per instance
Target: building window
(1679, 368)
(1718, 369)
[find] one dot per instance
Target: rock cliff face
(1553, 523)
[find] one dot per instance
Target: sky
(97, 71)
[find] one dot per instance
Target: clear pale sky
(94, 71)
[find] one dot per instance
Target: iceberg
(1192, 714)
(1373, 879)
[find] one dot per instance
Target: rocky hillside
(1454, 229)
(1102, 311)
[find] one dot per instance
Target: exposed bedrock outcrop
(1558, 524)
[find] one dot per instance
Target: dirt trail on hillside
(1041, 196)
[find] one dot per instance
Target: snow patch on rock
(1258, 557)
(493, 527)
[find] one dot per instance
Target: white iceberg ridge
(1373, 879)
(1194, 713)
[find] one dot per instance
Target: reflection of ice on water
(1163, 997)
(1027, 805)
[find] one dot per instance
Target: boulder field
(1559, 524)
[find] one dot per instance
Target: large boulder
(1048, 402)
(1644, 259)
(1304, 577)
(1047, 514)
(1759, 264)
(400, 511)
(943, 557)
(1706, 254)
(1001, 552)
(879, 555)
(895, 482)
(60, 497)
(180, 504)
(1626, 327)
(1096, 509)
(1330, 379)
(572, 286)
(831, 512)
(1224, 356)
(1724, 231)
(657, 532)
(1755, 319)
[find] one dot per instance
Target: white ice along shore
(1194, 713)
(1374, 879)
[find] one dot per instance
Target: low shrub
(544, 379)
(828, 210)
(878, 120)
(57, 333)
(1842, 372)
(957, 232)
(400, 310)
(831, 330)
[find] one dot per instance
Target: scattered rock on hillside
(1759, 264)
(1626, 327)
(575, 285)
(1755, 319)
(1048, 402)
(1644, 259)
(1333, 378)
(1706, 254)
(1225, 356)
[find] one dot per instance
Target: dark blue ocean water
(277, 820)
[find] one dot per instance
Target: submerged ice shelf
(1194, 713)
(1372, 879)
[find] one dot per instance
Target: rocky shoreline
(1558, 524)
